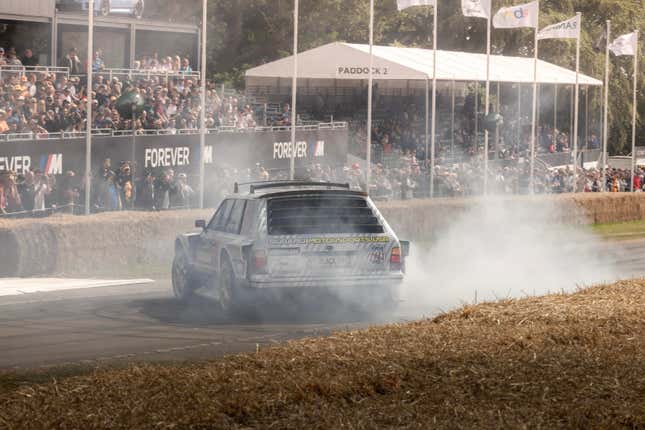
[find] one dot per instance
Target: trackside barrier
(116, 240)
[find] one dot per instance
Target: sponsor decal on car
(327, 240)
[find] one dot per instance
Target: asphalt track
(133, 323)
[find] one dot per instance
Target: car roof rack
(261, 185)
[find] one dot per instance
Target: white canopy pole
(452, 123)
(519, 114)
(555, 115)
(202, 129)
(634, 108)
(88, 108)
(576, 110)
(434, 98)
(294, 89)
(370, 79)
(427, 122)
(486, 110)
(606, 110)
(534, 114)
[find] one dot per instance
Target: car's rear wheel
(182, 284)
(225, 289)
(105, 7)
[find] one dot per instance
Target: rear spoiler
(279, 184)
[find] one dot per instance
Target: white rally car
(290, 235)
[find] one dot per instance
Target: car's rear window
(321, 215)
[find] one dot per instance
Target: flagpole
(634, 108)
(202, 129)
(294, 89)
(577, 107)
(368, 156)
(434, 97)
(535, 60)
(486, 110)
(427, 114)
(533, 115)
(606, 110)
(88, 108)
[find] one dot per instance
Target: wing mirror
(200, 223)
(405, 247)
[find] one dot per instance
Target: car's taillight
(259, 260)
(395, 259)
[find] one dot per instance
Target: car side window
(235, 220)
(221, 216)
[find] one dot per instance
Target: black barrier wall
(179, 152)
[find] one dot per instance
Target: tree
(246, 33)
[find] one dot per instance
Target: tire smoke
(505, 249)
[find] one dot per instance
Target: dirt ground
(559, 361)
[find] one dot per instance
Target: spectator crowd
(44, 102)
(41, 102)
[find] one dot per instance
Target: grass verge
(621, 230)
(559, 361)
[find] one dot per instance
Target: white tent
(350, 61)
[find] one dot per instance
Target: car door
(230, 239)
(206, 252)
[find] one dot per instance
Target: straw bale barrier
(81, 245)
(559, 361)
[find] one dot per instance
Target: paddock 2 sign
(360, 71)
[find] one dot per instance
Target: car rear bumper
(327, 282)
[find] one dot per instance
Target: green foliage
(245, 33)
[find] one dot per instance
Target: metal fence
(65, 135)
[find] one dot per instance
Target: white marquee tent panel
(350, 61)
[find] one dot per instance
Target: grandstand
(51, 27)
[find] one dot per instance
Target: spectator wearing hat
(12, 59)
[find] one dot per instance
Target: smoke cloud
(503, 249)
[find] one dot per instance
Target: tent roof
(350, 61)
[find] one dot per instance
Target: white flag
(476, 8)
(624, 45)
(523, 15)
(569, 29)
(404, 4)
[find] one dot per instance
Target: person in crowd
(109, 193)
(97, 63)
(4, 127)
(185, 66)
(163, 190)
(41, 190)
(125, 183)
(70, 192)
(28, 58)
(145, 195)
(72, 62)
(12, 58)
(183, 193)
(12, 200)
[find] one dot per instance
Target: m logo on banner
(319, 150)
(52, 164)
